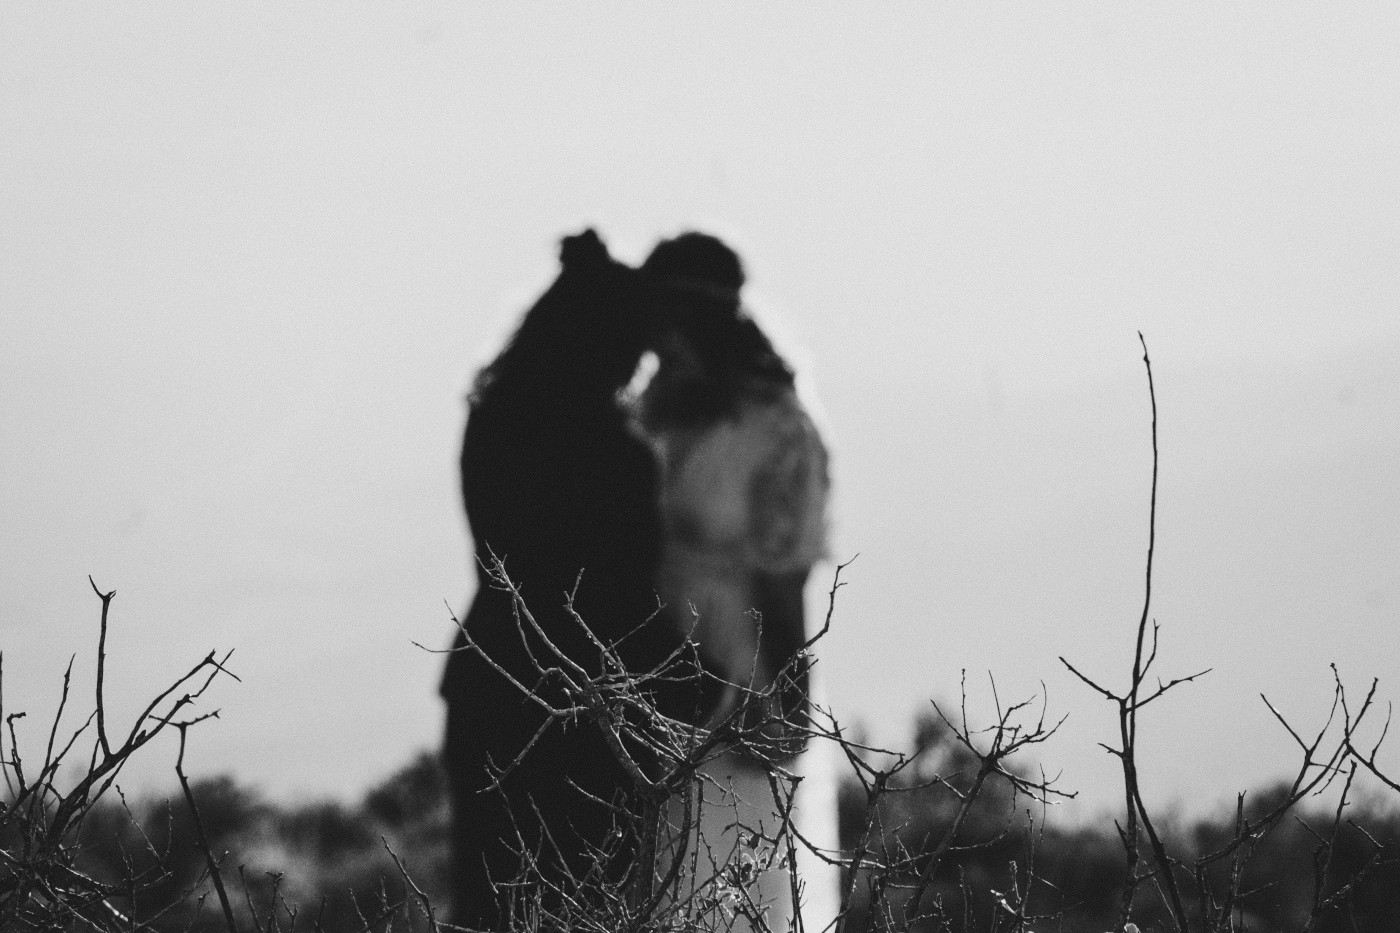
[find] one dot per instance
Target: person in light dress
(743, 478)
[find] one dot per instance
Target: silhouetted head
(584, 251)
(712, 353)
(582, 338)
(697, 260)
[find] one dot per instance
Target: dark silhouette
(561, 481)
(556, 484)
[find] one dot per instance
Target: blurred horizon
(251, 259)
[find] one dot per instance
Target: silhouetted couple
(708, 490)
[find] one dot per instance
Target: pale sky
(251, 256)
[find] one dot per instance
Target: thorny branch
(40, 882)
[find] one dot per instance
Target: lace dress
(744, 516)
(743, 508)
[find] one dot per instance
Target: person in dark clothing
(559, 488)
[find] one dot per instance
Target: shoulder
(788, 487)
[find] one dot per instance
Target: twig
(101, 665)
(203, 841)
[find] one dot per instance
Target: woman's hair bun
(584, 251)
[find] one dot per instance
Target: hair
(697, 279)
(585, 331)
(699, 259)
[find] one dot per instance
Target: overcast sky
(251, 257)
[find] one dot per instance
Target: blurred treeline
(329, 866)
(320, 865)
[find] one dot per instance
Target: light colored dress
(742, 500)
(744, 504)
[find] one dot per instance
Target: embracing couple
(645, 492)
